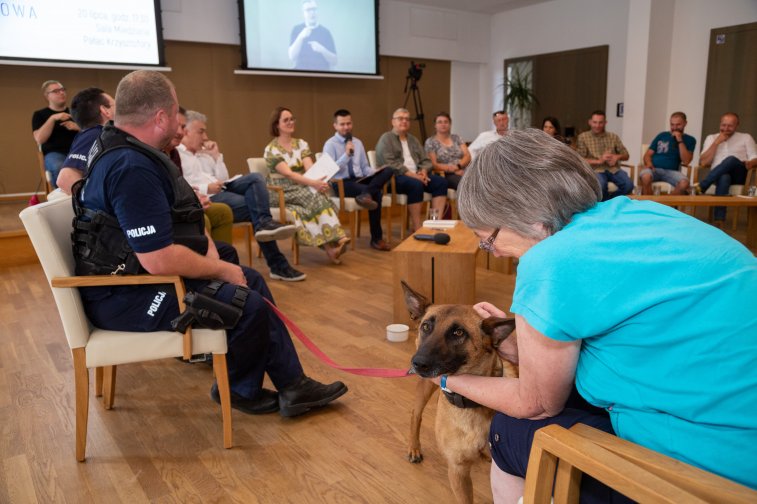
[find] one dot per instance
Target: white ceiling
(479, 6)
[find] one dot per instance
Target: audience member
(361, 181)
(551, 126)
(219, 218)
(447, 152)
(145, 193)
(402, 152)
(662, 161)
(91, 108)
(247, 195)
(603, 151)
(623, 300)
(53, 129)
(311, 46)
(730, 153)
(500, 120)
(317, 221)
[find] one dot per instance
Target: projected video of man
(311, 45)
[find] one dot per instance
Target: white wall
(198, 21)
(561, 26)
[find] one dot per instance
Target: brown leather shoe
(380, 245)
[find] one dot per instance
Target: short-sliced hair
(85, 107)
(598, 112)
(679, 114)
(498, 112)
(442, 114)
(274, 120)
(141, 94)
(49, 83)
(734, 114)
(341, 113)
(193, 115)
(402, 110)
(528, 183)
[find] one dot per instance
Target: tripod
(413, 89)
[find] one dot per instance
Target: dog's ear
(416, 303)
(498, 329)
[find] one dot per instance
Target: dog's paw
(415, 456)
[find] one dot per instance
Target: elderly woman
(648, 311)
(316, 219)
(447, 152)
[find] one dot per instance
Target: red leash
(374, 372)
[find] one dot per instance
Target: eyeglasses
(488, 244)
(401, 118)
(289, 120)
(57, 91)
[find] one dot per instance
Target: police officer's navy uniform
(135, 189)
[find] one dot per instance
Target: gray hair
(49, 83)
(141, 94)
(401, 109)
(527, 182)
(193, 115)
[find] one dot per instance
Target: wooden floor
(162, 442)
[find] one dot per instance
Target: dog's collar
(460, 401)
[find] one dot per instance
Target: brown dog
(453, 339)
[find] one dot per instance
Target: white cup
(397, 332)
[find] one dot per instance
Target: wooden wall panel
(238, 106)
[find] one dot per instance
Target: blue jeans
(248, 198)
(414, 188)
(53, 164)
(619, 178)
(730, 171)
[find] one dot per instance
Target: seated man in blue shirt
(91, 108)
(666, 153)
(361, 180)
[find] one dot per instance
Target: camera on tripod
(415, 72)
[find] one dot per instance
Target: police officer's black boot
(266, 402)
(306, 394)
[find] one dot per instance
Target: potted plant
(519, 98)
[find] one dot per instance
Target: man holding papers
(247, 195)
(361, 180)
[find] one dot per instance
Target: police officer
(133, 183)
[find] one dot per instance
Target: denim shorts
(672, 177)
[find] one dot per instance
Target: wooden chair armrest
(282, 204)
(340, 192)
(579, 454)
(393, 186)
(705, 485)
(112, 280)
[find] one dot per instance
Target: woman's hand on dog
(486, 310)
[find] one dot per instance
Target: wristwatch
(443, 384)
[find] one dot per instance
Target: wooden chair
(249, 236)
(279, 212)
(559, 457)
(49, 228)
(43, 173)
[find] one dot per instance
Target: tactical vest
(99, 244)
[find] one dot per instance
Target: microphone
(348, 138)
(438, 238)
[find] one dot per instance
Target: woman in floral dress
(315, 216)
(447, 151)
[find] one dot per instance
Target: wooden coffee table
(443, 273)
(710, 201)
